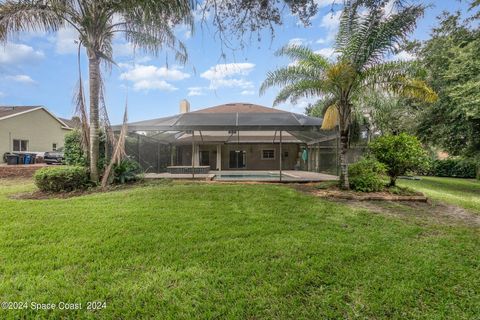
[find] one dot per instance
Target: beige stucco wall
(254, 155)
(38, 127)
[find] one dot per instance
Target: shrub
(367, 175)
(73, 153)
(126, 171)
(62, 178)
(399, 153)
(459, 168)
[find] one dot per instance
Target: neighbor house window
(54, 147)
(268, 154)
(20, 145)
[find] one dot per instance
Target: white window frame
(56, 146)
(21, 141)
(274, 154)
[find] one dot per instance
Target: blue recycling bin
(27, 159)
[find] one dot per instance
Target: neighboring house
(231, 137)
(30, 129)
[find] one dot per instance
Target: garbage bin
(12, 159)
(27, 158)
(33, 160)
(21, 158)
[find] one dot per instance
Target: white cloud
(15, 53)
(229, 75)
(297, 42)
(145, 85)
(404, 56)
(324, 3)
(123, 49)
(148, 77)
(327, 52)
(21, 78)
(65, 41)
(247, 93)
(196, 91)
(330, 22)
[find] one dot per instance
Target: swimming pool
(252, 176)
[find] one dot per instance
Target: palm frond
(414, 88)
(331, 118)
(365, 39)
(289, 75)
(299, 89)
(304, 55)
(24, 15)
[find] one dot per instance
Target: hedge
(458, 168)
(62, 178)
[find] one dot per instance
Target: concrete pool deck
(238, 175)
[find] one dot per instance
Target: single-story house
(30, 129)
(233, 136)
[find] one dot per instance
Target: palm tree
(367, 34)
(146, 24)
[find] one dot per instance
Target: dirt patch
(19, 171)
(438, 212)
(331, 191)
(435, 211)
(373, 196)
(40, 195)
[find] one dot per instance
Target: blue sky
(41, 69)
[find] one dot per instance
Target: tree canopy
(451, 58)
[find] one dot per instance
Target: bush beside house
(62, 178)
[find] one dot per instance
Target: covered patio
(253, 140)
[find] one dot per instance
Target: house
(233, 136)
(30, 129)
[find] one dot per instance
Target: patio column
(219, 157)
(193, 154)
(280, 155)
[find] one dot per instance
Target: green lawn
(216, 251)
(461, 192)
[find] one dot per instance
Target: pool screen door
(238, 159)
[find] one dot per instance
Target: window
(268, 154)
(20, 145)
(54, 147)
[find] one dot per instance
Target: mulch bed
(19, 171)
(360, 196)
(40, 195)
(335, 193)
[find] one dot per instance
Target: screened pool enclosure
(232, 137)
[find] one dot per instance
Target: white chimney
(184, 106)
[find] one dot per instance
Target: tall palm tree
(367, 34)
(146, 24)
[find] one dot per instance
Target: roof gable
(7, 112)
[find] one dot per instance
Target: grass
(461, 192)
(182, 251)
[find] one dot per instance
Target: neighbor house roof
(7, 112)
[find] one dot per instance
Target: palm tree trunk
(94, 85)
(344, 137)
(344, 184)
